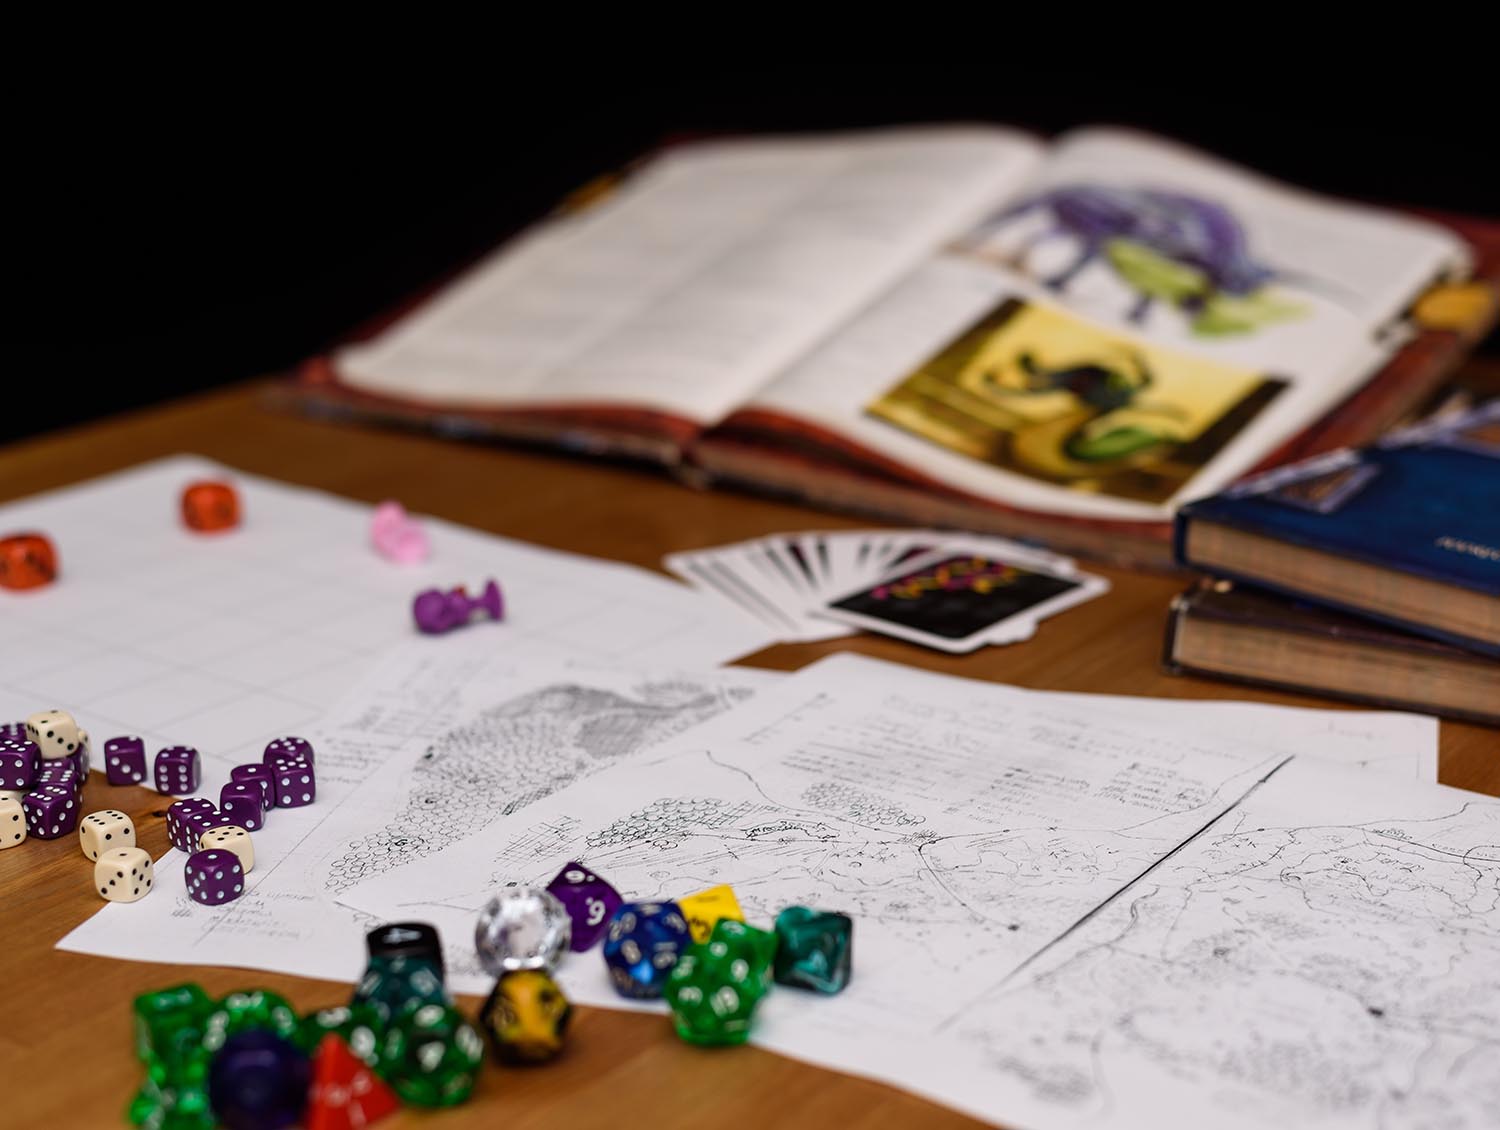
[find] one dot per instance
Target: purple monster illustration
(1188, 231)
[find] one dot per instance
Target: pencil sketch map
(431, 738)
(1159, 927)
(1359, 964)
(521, 750)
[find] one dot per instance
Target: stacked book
(1371, 575)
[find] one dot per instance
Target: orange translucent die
(27, 561)
(210, 506)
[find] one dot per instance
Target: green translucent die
(714, 988)
(431, 1055)
(245, 1010)
(816, 949)
(171, 1108)
(169, 1026)
(358, 1025)
(755, 945)
(395, 985)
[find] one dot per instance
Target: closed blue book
(1406, 531)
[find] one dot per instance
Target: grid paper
(225, 641)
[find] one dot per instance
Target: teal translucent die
(815, 949)
(396, 985)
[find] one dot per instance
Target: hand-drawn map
(1064, 917)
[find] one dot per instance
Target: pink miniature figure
(397, 535)
(436, 611)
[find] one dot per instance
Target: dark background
(187, 235)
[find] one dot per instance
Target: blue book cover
(1423, 501)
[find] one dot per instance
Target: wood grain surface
(65, 1042)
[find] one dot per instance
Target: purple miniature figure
(437, 612)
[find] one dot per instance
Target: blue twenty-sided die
(641, 946)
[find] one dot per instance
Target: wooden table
(65, 1046)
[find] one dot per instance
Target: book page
(707, 273)
(1139, 328)
(979, 378)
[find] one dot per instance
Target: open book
(961, 324)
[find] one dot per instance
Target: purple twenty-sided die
(244, 803)
(214, 877)
(589, 901)
(256, 773)
(293, 783)
(18, 758)
(16, 730)
(125, 761)
(298, 749)
(179, 830)
(177, 770)
(51, 812)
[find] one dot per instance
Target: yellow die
(707, 907)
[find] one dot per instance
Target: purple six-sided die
(177, 770)
(299, 749)
(200, 822)
(58, 771)
(125, 761)
(51, 812)
(79, 759)
(244, 803)
(18, 761)
(179, 813)
(293, 783)
(257, 773)
(214, 877)
(589, 901)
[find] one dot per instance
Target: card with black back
(955, 601)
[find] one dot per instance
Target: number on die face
(230, 838)
(124, 874)
(589, 901)
(101, 832)
(12, 822)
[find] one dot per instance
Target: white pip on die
(54, 732)
(124, 874)
(103, 831)
(230, 838)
